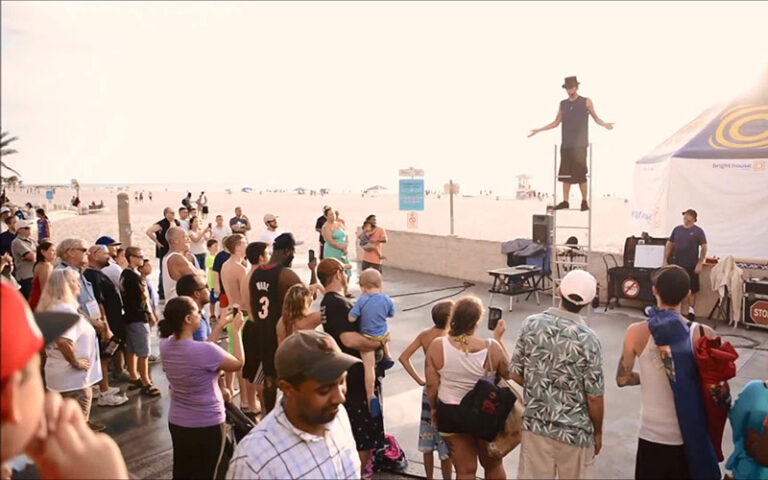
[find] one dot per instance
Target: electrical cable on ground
(463, 288)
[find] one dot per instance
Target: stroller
(237, 426)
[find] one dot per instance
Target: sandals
(252, 416)
(134, 384)
(150, 391)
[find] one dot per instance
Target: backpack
(390, 457)
(485, 408)
(236, 426)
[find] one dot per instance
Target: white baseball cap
(269, 218)
(4, 209)
(24, 224)
(579, 287)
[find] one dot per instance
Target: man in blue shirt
(687, 247)
(194, 287)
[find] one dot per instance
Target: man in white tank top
(175, 263)
(660, 450)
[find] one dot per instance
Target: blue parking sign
(412, 194)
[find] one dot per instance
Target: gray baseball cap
(313, 353)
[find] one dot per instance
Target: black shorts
(655, 460)
(573, 165)
(251, 351)
(103, 355)
(694, 279)
(368, 431)
(448, 418)
(375, 266)
(205, 208)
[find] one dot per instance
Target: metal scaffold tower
(570, 255)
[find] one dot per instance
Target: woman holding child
(454, 364)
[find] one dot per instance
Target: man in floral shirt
(558, 360)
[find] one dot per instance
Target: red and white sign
(413, 220)
(631, 288)
(758, 312)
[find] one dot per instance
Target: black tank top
(266, 308)
(575, 116)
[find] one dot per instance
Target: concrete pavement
(141, 429)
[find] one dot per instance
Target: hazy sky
(344, 94)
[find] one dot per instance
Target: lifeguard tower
(523, 187)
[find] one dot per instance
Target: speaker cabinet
(542, 229)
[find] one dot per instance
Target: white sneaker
(110, 391)
(111, 400)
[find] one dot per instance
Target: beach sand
(476, 217)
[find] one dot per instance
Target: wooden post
(124, 218)
(450, 182)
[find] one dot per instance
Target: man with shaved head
(175, 263)
(156, 233)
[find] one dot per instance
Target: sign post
(451, 188)
(411, 195)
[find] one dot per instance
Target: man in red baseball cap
(48, 429)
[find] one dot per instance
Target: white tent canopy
(717, 165)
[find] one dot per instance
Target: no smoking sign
(630, 287)
(413, 220)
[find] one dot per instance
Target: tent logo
(742, 127)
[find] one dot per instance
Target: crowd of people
(236, 321)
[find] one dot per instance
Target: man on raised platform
(573, 114)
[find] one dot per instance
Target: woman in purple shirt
(196, 415)
(43, 225)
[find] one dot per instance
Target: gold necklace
(462, 340)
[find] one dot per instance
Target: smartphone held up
(494, 315)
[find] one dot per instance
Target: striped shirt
(277, 449)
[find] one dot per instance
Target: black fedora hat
(570, 82)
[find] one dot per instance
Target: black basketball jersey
(266, 308)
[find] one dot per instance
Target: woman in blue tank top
(336, 243)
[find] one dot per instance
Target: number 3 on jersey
(264, 310)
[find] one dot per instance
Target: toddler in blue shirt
(373, 308)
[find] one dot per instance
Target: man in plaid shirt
(308, 434)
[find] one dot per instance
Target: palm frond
(3, 164)
(5, 141)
